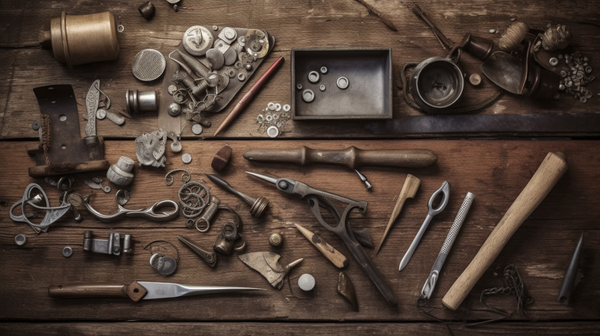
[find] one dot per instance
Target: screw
(364, 179)
(257, 205)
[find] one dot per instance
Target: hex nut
(120, 173)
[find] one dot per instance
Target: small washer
(186, 158)
(287, 107)
(197, 129)
(101, 114)
(269, 117)
(260, 118)
(241, 77)
(299, 86)
(35, 125)
(67, 251)
(343, 83)
(271, 106)
(313, 77)
(273, 132)
(475, 79)
(20, 239)
(323, 69)
(553, 61)
(277, 107)
(322, 87)
(306, 282)
(308, 96)
(172, 89)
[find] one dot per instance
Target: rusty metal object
(346, 289)
(230, 234)
(62, 151)
(276, 239)
(121, 173)
(209, 257)
(221, 159)
(267, 264)
(82, 39)
(257, 205)
(147, 10)
(383, 17)
(350, 157)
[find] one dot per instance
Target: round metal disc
(148, 65)
(257, 42)
(197, 40)
(167, 265)
(67, 252)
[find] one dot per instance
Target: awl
(350, 157)
(140, 290)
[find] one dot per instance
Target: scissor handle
(151, 214)
(445, 191)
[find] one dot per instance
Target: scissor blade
(166, 290)
(263, 177)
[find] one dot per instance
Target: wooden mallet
(550, 171)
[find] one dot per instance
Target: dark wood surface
(494, 170)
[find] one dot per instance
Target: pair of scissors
(318, 198)
(444, 190)
(149, 213)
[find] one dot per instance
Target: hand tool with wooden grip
(547, 175)
(409, 190)
(139, 290)
(350, 157)
(328, 251)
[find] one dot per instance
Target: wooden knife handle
(350, 157)
(550, 171)
(90, 290)
(133, 291)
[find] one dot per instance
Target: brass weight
(82, 39)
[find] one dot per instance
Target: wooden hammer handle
(550, 171)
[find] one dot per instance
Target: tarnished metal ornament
(267, 264)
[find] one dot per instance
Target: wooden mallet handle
(550, 171)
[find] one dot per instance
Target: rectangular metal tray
(368, 95)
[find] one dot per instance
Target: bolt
(257, 205)
(276, 239)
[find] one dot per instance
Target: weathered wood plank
(279, 328)
(339, 24)
(496, 171)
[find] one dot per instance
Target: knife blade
(140, 290)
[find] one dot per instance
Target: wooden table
(495, 167)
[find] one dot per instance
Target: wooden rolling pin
(350, 157)
(550, 171)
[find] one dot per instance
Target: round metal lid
(148, 65)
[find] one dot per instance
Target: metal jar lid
(148, 65)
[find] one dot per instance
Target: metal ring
(203, 229)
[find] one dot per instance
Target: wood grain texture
(288, 328)
(295, 24)
(495, 171)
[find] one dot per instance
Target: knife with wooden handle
(139, 290)
(350, 157)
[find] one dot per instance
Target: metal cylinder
(141, 101)
(87, 240)
(127, 244)
(82, 39)
(147, 10)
